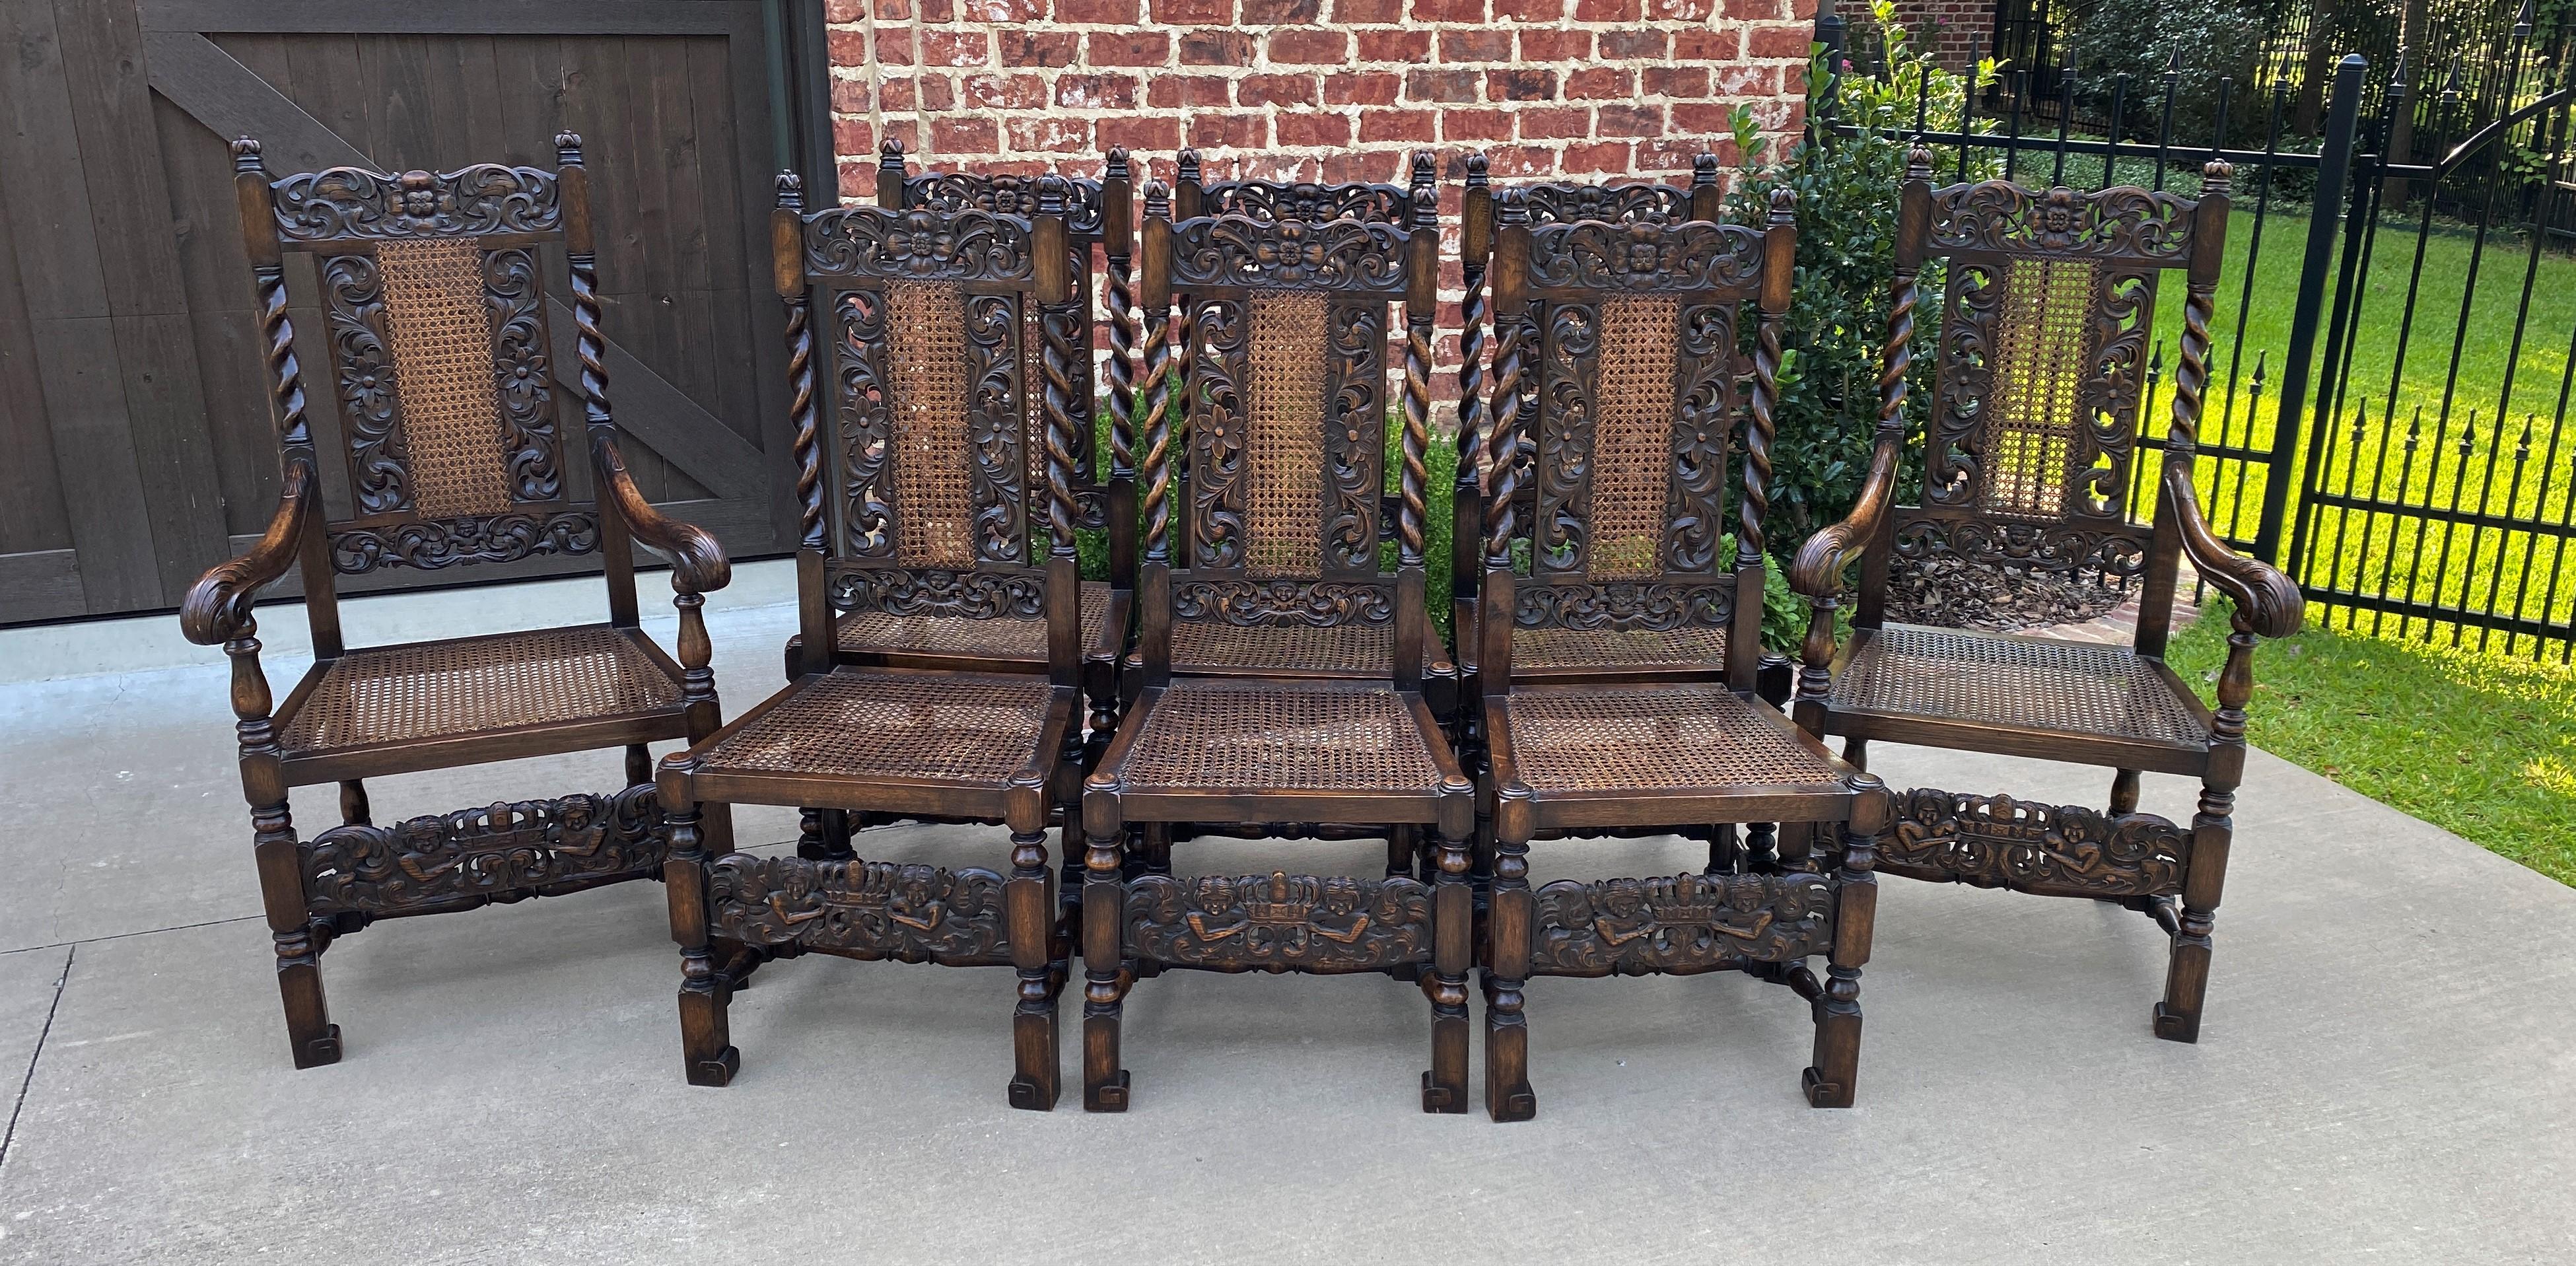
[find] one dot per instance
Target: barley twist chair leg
(2187, 979)
(1453, 917)
(1104, 989)
(1037, 1067)
(1508, 929)
(706, 1043)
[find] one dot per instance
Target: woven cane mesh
(1359, 649)
(478, 684)
(1696, 646)
(1656, 738)
(1033, 415)
(978, 729)
(1007, 637)
(926, 345)
(1257, 736)
(2039, 365)
(1632, 435)
(443, 374)
(1284, 440)
(1946, 673)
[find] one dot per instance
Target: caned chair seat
(1987, 679)
(975, 730)
(1342, 650)
(1217, 735)
(1538, 651)
(1657, 738)
(478, 685)
(1007, 637)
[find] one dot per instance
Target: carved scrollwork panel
(1679, 926)
(530, 445)
(950, 192)
(1608, 204)
(869, 910)
(353, 310)
(2124, 312)
(1310, 203)
(352, 202)
(1645, 256)
(1219, 365)
(500, 853)
(1354, 436)
(996, 428)
(1346, 254)
(2060, 850)
(1321, 604)
(429, 544)
(1568, 360)
(866, 428)
(919, 244)
(1279, 922)
(1626, 605)
(1951, 460)
(2119, 223)
(974, 595)
(1703, 435)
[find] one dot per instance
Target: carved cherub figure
(793, 901)
(1747, 911)
(1620, 914)
(1341, 920)
(915, 901)
(1216, 893)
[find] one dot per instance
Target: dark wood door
(135, 443)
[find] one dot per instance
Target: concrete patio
(2385, 1069)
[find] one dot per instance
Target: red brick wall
(1945, 27)
(1311, 89)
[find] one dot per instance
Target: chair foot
(310, 1035)
(1444, 1084)
(316, 1051)
(2175, 1027)
(1439, 1098)
(1033, 1094)
(1107, 1096)
(718, 1071)
(1822, 1093)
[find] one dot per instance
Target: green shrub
(2218, 39)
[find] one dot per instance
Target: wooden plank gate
(135, 440)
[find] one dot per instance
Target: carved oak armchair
(909, 377)
(1617, 347)
(440, 333)
(1269, 337)
(2048, 308)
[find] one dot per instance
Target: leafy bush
(2218, 39)
(1847, 186)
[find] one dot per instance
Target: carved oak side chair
(1098, 214)
(440, 334)
(909, 473)
(1631, 333)
(1270, 338)
(2048, 311)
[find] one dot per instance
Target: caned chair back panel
(924, 468)
(1285, 399)
(2048, 312)
(950, 192)
(433, 302)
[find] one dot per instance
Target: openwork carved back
(2046, 335)
(1621, 350)
(923, 480)
(433, 303)
(1084, 214)
(1301, 200)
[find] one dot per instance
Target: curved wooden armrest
(698, 564)
(2267, 601)
(217, 608)
(1817, 572)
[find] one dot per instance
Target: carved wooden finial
(1784, 206)
(1703, 171)
(2215, 176)
(567, 148)
(791, 191)
(246, 155)
(890, 156)
(1158, 198)
(1918, 163)
(1051, 194)
(1426, 207)
(1424, 170)
(1479, 171)
(1511, 206)
(1117, 168)
(1190, 165)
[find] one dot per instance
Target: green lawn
(2479, 745)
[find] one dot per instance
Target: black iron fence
(2396, 339)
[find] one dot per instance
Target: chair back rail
(433, 302)
(1267, 343)
(1618, 363)
(912, 439)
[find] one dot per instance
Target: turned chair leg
(310, 1035)
(353, 803)
(2124, 792)
(1829, 1082)
(1030, 908)
(1104, 986)
(1724, 852)
(1508, 928)
(639, 765)
(1453, 918)
(1402, 844)
(706, 1042)
(2187, 979)
(1856, 752)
